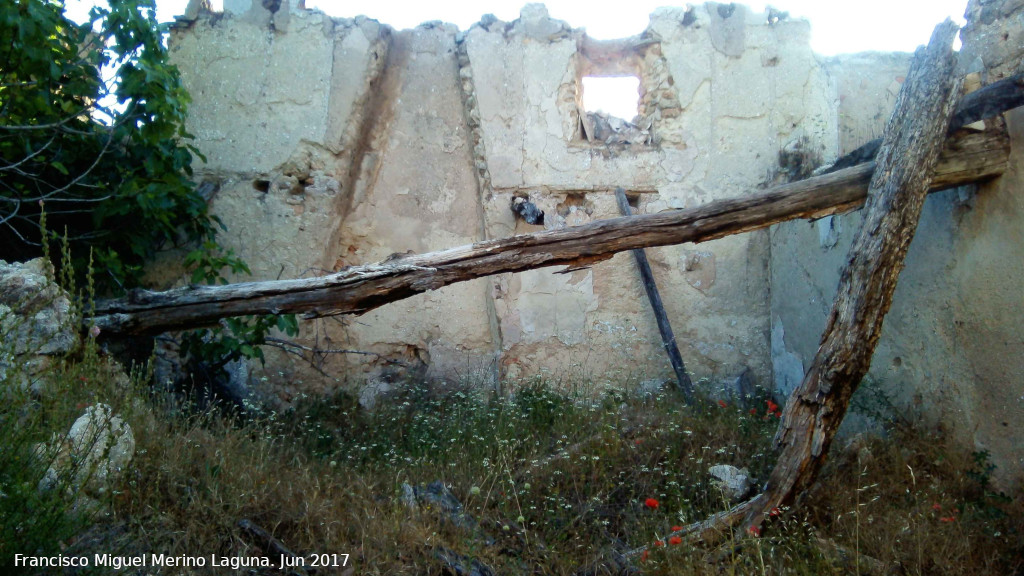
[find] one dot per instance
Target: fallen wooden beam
(668, 337)
(996, 98)
(967, 158)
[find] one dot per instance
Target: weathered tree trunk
(668, 337)
(966, 158)
(909, 150)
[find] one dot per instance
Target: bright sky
(836, 27)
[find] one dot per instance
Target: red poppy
(755, 531)
(772, 406)
(723, 404)
(675, 540)
(659, 543)
(753, 411)
(774, 512)
(651, 503)
(936, 506)
(948, 519)
(643, 557)
(677, 528)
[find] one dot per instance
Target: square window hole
(617, 96)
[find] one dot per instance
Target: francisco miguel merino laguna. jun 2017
(164, 560)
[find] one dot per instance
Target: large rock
(734, 482)
(94, 454)
(35, 314)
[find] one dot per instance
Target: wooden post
(668, 338)
(909, 151)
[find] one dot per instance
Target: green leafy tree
(92, 132)
(92, 120)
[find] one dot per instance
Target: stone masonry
(334, 141)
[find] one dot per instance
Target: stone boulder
(734, 483)
(35, 314)
(37, 321)
(93, 456)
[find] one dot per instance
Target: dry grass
(327, 477)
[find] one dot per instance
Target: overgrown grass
(556, 481)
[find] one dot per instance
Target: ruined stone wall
(951, 351)
(334, 142)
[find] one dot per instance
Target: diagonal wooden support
(905, 163)
(909, 152)
(668, 338)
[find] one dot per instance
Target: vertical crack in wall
(467, 89)
(360, 140)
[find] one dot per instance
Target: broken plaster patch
(552, 305)
(787, 366)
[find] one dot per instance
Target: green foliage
(92, 124)
(208, 351)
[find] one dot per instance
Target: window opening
(616, 96)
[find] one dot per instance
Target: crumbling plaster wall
(334, 142)
(711, 136)
(952, 350)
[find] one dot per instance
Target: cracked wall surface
(334, 142)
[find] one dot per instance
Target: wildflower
(936, 506)
(83, 378)
(651, 503)
(723, 404)
(754, 531)
(643, 557)
(474, 491)
(753, 411)
(94, 331)
(675, 540)
(637, 442)
(948, 519)
(659, 543)
(774, 512)
(677, 528)
(526, 486)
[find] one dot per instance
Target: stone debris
(735, 483)
(436, 497)
(460, 565)
(602, 127)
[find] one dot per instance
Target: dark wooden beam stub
(668, 338)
